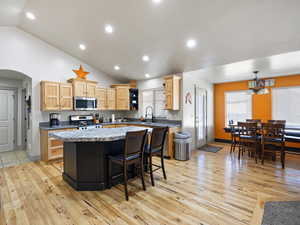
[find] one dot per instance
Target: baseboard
(34, 158)
(288, 149)
(222, 140)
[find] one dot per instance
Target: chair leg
(109, 173)
(163, 166)
(151, 169)
(125, 181)
(263, 157)
(283, 159)
(142, 175)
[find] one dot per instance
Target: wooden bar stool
(133, 154)
(156, 148)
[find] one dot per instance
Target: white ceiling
(10, 11)
(226, 31)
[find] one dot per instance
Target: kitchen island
(86, 156)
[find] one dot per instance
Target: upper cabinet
(56, 96)
(122, 96)
(172, 92)
(84, 88)
(111, 98)
(101, 98)
(66, 96)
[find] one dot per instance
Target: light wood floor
(210, 189)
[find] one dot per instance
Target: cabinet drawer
(55, 153)
(55, 143)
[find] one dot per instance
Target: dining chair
(277, 121)
(234, 136)
(273, 140)
(133, 153)
(248, 139)
(156, 148)
(253, 120)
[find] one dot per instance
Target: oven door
(82, 103)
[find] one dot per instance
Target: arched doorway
(15, 117)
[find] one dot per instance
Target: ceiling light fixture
(30, 16)
(117, 67)
(146, 58)
(191, 43)
(82, 47)
(147, 75)
(156, 1)
(109, 29)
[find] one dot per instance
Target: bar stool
(156, 148)
(133, 154)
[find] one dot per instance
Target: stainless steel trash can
(182, 143)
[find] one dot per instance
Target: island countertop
(96, 135)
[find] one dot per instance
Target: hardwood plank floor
(211, 188)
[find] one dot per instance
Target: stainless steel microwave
(83, 104)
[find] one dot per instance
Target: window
(238, 106)
(156, 99)
(286, 104)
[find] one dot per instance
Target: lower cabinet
(51, 148)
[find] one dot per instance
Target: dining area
(258, 140)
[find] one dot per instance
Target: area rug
(282, 213)
(210, 148)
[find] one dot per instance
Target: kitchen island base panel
(86, 164)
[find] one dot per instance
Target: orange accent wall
(261, 104)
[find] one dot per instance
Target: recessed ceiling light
(30, 16)
(156, 1)
(191, 43)
(147, 75)
(117, 67)
(109, 29)
(146, 58)
(82, 47)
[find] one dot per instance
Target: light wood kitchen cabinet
(84, 88)
(66, 96)
(172, 92)
(111, 98)
(56, 96)
(51, 148)
(50, 96)
(122, 97)
(91, 90)
(101, 95)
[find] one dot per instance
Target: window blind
(238, 106)
(286, 104)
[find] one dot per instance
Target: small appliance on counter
(113, 118)
(84, 122)
(134, 99)
(54, 119)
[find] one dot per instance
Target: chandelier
(258, 86)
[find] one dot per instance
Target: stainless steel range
(84, 122)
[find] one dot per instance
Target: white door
(6, 120)
(201, 117)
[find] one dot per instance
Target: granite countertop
(95, 135)
(66, 124)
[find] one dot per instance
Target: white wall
(190, 79)
(154, 84)
(24, 53)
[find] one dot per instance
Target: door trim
(197, 90)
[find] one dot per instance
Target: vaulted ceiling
(225, 31)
